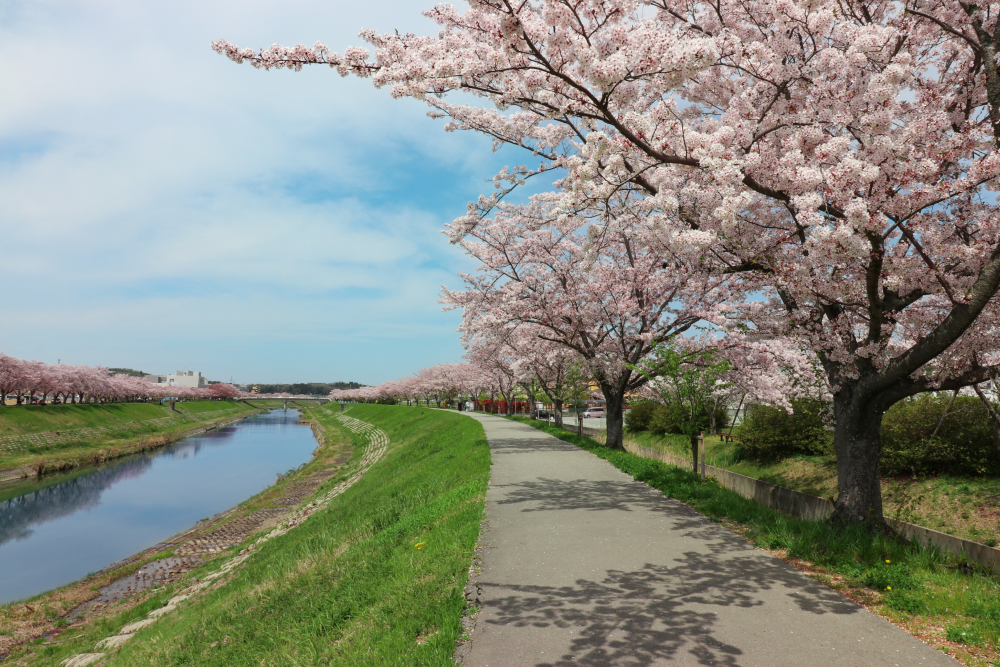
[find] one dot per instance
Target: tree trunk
(858, 444)
(531, 402)
(694, 452)
(945, 414)
(557, 405)
(614, 399)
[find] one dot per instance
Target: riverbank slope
(375, 576)
(37, 439)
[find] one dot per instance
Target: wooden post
(702, 442)
(694, 453)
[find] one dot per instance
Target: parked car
(593, 412)
(542, 414)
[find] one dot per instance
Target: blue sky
(165, 208)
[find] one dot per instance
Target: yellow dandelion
(888, 588)
(886, 560)
(419, 544)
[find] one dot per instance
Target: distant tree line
(312, 388)
(128, 371)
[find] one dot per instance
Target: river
(59, 532)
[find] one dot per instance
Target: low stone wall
(806, 506)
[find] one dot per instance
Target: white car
(593, 412)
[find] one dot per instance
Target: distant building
(180, 379)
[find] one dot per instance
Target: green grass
(962, 506)
(15, 420)
(74, 448)
(908, 583)
(349, 586)
(811, 474)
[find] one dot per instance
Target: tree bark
(614, 399)
(944, 416)
(557, 405)
(531, 402)
(858, 444)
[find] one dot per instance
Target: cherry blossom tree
(592, 284)
(11, 374)
(495, 358)
(547, 367)
(840, 156)
(222, 390)
(26, 379)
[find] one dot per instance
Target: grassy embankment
(968, 507)
(374, 578)
(25, 625)
(57, 437)
(948, 603)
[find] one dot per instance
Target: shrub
(658, 418)
(768, 433)
(639, 415)
(666, 419)
(963, 445)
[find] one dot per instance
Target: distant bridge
(289, 399)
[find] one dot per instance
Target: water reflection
(60, 532)
(52, 502)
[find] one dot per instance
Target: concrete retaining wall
(806, 506)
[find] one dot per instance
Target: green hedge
(658, 418)
(767, 433)
(963, 445)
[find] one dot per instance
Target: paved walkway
(582, 565)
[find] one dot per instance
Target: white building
(180, 379)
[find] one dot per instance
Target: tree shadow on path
(531, 444)
(658, 613)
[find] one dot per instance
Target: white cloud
(163, 202)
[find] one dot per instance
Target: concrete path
(582, 565)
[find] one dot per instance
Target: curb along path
(375, 448)
(583, 565)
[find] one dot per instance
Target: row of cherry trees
(442, 383)
(814, 174)
(27, 381)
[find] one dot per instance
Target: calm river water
(55, 535)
